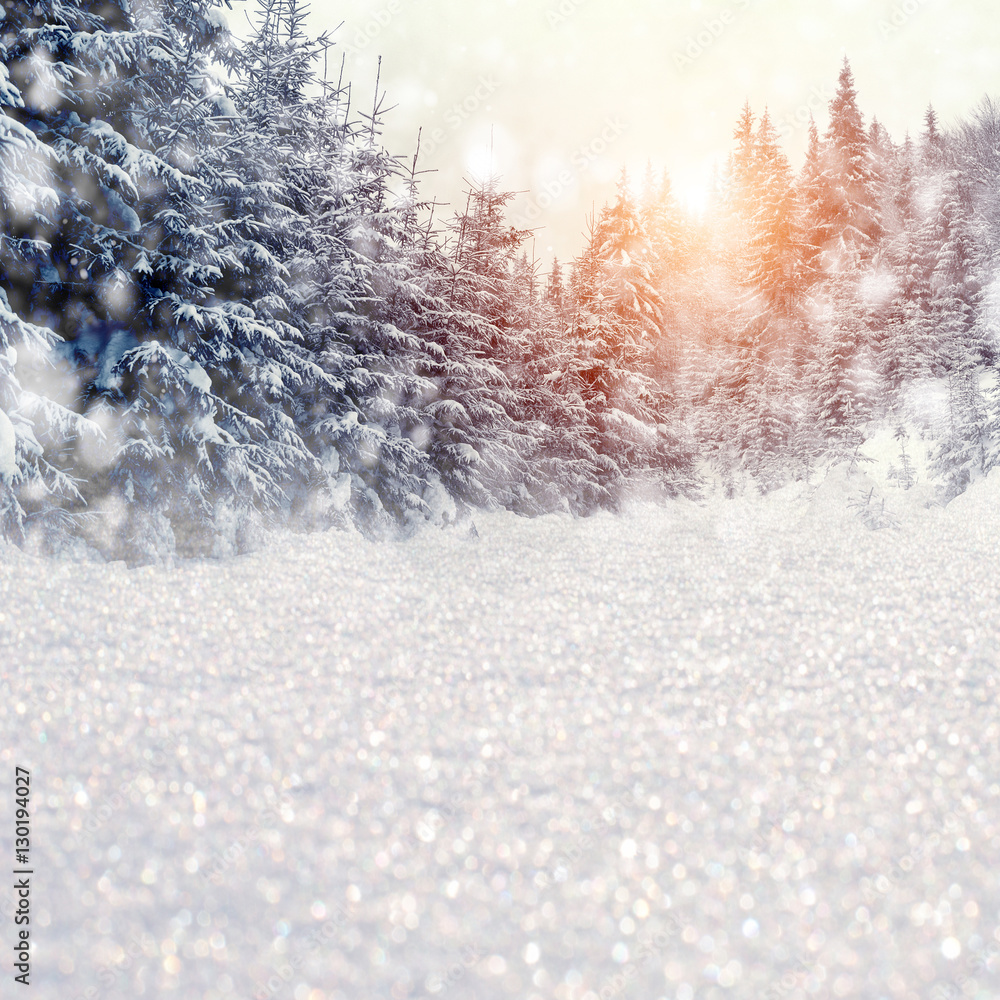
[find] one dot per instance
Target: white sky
(549, 83)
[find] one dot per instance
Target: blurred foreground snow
(746, 749)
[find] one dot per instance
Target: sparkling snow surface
(748, 750)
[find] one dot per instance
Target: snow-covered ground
(748, 749)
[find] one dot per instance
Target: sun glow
(479, 163)
(693, 196)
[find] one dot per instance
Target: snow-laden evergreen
(168, 303)
(37, 482)
(225, 305)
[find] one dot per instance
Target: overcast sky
(573, 89)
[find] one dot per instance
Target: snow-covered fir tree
(223, 303)
(844, 202)
(39, 489)
(167, 301)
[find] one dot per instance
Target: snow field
(745, 749)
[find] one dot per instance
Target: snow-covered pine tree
(916, 229)
(844, 224)
(662, 219)
(991, 425)
(774, 255)
(963, 454)
(900, 209)
(351, 250)
(669, 238)
(167, 301)
(385, 452)
(895, 281)
(556, 293)
(958, 338)
(619, 322)
(933, 146)
(883, 158)
(561, 466)
(741, 168)
(38, 491)
(961, 348)
(810, 192)
(978, 154)
(906, 320)
(626, 276)
(978, 157)
(473, 356)
(842, 368)
(844, 204)
(764, 321)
